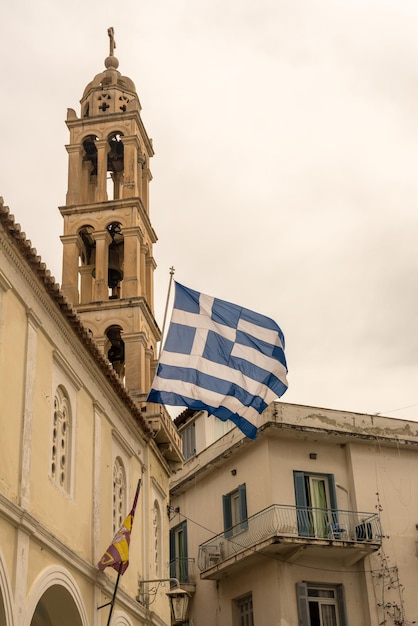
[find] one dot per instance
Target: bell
(114, 274)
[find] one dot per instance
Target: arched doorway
(56, 607)
(3, 621)
(6, 602)
(55, 600)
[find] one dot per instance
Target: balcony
(184, 570)
(165, 432)
(287, 532)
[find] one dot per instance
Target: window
(61, 439)
(188, 438)
(244, 611)
(235, 511)
(119, 494)
(321, 605)
(156, 522)
(178, 553)
(316, 504)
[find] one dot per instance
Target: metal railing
(293, 522)
(183, 569)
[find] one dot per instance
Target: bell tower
(108, 263)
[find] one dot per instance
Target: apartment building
(313, 523)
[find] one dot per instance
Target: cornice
(121, 203)
(110, 120)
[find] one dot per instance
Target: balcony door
(316, 504)
(178, 553)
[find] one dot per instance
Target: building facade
(313, 523)
(76, 433)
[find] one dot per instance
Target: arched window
(156, 521)
(61, 439)
(119, 494)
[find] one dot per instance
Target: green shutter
(302, 511)
(303, 608)
(226, 505)
(342, 613)
(184, 566)
(333, 500)
(242, 499)
(172, 553)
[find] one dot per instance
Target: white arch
(54, 575)
(6, 594)
(120, 619)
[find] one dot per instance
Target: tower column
(146, 178)
(149, 358)
(135, 362)
(75, 161)
(100, 288)
(140, 165)
(71, 253)
(101, 187)
(142, 269)
(151, 265)
(131, 147)
(86, 283)
(132, 239)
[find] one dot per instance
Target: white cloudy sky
(285, 175)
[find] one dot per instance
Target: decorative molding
(4, 283)
(158, 488)
(67, 370)
(126, 446)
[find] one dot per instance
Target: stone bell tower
(108, 263)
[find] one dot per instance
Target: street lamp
(179, 598)
(179, 601)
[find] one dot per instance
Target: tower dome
(109, 92)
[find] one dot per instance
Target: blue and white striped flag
(220, 358)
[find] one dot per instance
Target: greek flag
(220, 358)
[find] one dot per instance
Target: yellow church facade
(75, 365)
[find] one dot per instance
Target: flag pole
(112, 602)
(172, 270)
(116, 556)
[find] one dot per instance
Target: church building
(75, 366)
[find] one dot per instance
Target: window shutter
(342, 613)
(303, 609)
(226, 503)
(333, 498)
(172, 554)
(185, 564)
(302, 512)
(242, 494)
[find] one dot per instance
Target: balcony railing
(291, 522)
(183, 569)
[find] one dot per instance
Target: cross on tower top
(111, 33)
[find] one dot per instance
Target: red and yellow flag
(117, 554)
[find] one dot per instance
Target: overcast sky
(285, 174)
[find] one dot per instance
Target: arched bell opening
(90, 149)
(87, 245)
(115, 349)
(115, 260)
(115, 166)
(90, 168)
(86, 262)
